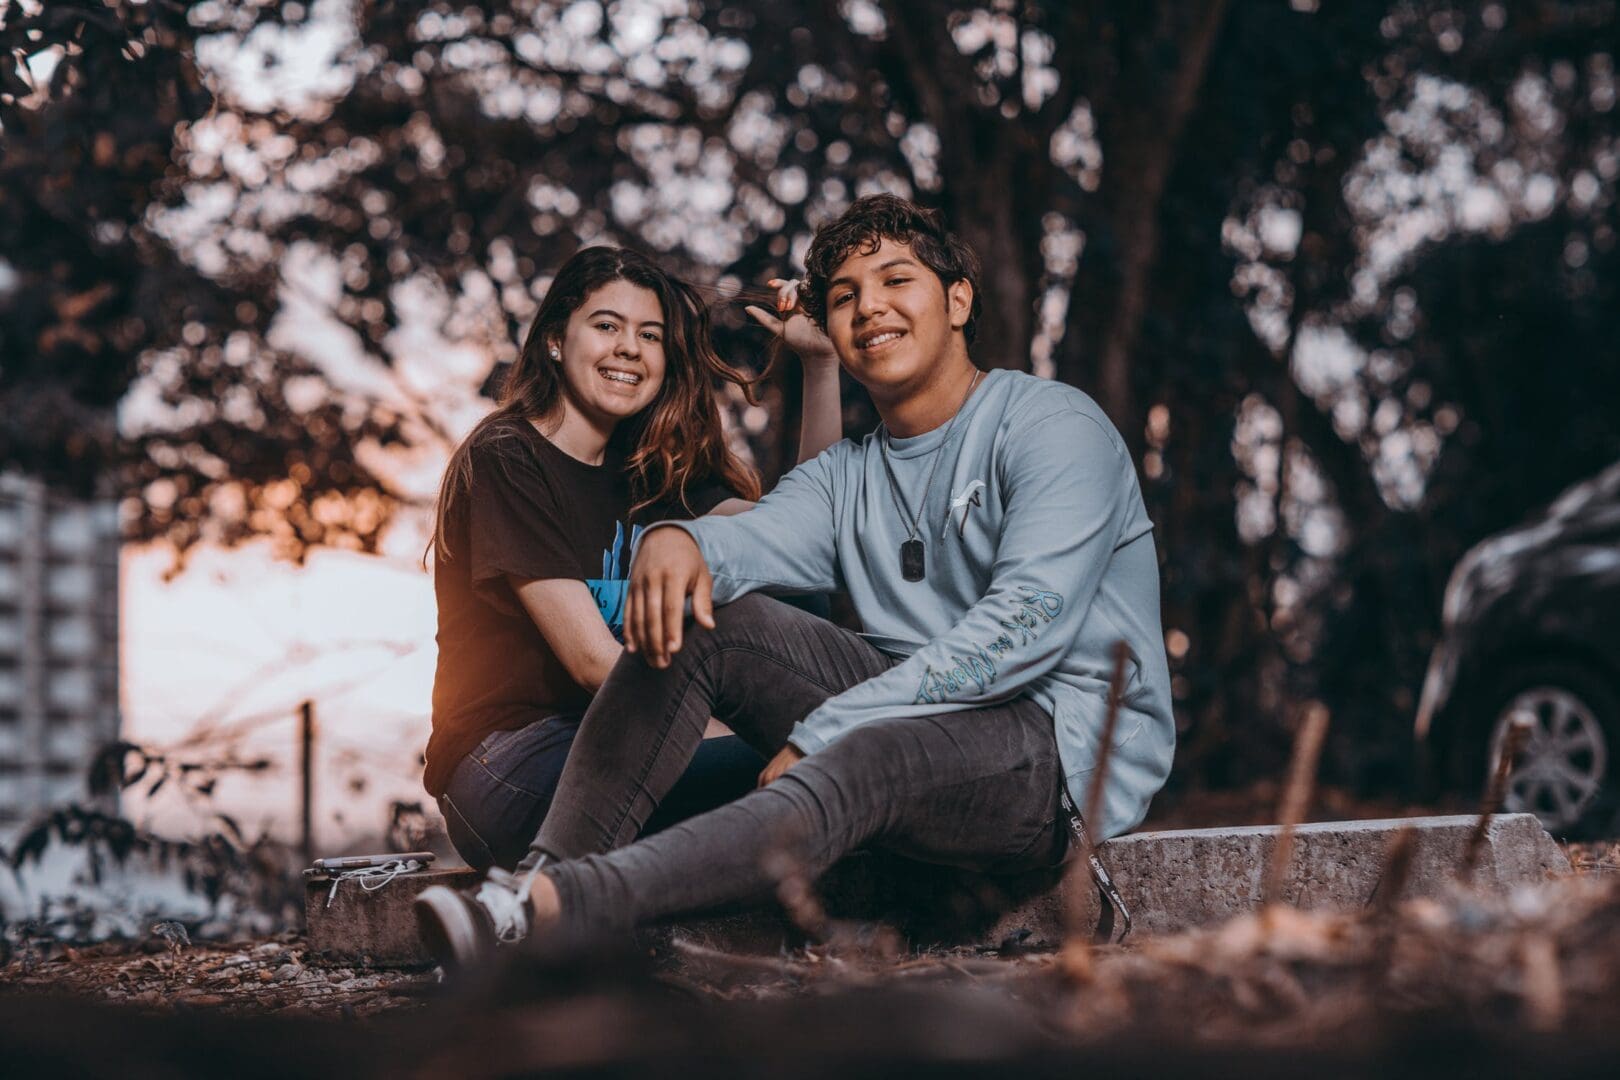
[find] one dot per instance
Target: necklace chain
(913, 523)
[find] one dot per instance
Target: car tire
(1567, 773)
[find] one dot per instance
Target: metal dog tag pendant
(911, 560)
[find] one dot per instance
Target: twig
(1518, 733)
(1099, 775)
(1296, 797)
(1397, 868)
(1543, 986)
(797, 895)
(691, 951)
(1385, 898)
(1076, 957)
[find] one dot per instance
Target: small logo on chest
(963, 501)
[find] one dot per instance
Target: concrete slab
(375, 928)
(1194, 877)
(1171, 880)
(1199, 876)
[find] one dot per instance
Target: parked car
(1531, 628)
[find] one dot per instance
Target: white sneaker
(463, 927)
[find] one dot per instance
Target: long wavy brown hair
(670, 446)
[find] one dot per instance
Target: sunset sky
(219, 658)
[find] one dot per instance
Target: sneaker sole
(448, 929)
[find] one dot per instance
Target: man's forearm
(786, 541)
(822, 421)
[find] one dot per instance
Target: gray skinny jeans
(977, 789)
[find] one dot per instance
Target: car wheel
(1564, 773)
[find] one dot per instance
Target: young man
(992, 538)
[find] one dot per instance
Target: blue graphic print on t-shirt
(611, 588)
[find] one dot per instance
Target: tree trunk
(989, 222)
(1140, 119)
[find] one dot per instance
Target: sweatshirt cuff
(807, 739)
(684, 526)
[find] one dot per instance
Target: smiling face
(895, 325)
(612, 361)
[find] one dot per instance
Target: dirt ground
(242, 978)
(1539, 968)
(273, 976)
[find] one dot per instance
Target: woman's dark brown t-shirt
(530, 512)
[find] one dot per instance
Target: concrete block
(1171, 880)
(1195, 877)
(374, 927)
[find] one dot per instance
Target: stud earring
(556, 353)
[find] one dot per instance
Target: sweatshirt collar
(917, 445)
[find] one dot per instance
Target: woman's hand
(793, 326)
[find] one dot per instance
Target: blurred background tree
(1344, 275)
(86, 145)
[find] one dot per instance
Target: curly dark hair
(864, 226)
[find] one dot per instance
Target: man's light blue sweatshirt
(1039, 558)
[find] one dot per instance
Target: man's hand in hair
(795, 328)
(668, 569)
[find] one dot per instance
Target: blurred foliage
(120, 765)
(83, 156)
(246, 884)
(1342, 273)
(91, 297)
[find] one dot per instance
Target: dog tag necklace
(913, 561)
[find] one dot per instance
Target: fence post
(306, 765)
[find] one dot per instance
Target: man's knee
(865, 766)
(743, 620)
(855, 788)
(750, 610)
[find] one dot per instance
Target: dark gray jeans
(977, 789)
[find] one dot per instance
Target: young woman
(607, 422)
